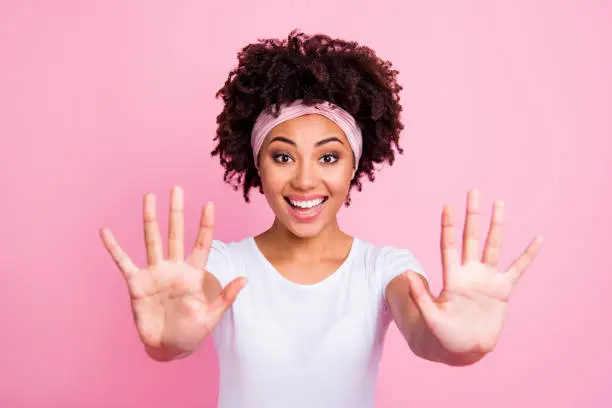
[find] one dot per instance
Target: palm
(468, 314)
(472, 307)
(160, 300)
(169, 304)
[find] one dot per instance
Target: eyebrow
(319, 143)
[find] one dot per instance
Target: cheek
(273, 182)
(338, 182)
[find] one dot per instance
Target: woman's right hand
(170, 309)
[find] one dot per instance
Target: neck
(296, 247)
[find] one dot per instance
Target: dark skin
(176, 303)
(464, 322)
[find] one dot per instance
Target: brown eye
(281, 158)
(329, 158)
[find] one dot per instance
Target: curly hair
(314, 68)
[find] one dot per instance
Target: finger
(151, 228)
(124, 263)
(423, 300)
(470, 230)
(228, 295)
(199, 256)
(176, 226)
(515, 271)
(448, 244)
(493, 245)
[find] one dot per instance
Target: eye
(281, 158)
(329, 158)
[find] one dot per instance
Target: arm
(408, 319)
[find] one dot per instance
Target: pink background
(101, 102)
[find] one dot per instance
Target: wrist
(427, 346)
(165, 353)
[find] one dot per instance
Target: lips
(306, 208)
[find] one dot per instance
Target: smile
(304, 205)
(306, 210)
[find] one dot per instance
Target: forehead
(308, 128)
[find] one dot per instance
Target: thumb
(423, 299)
(227, 296)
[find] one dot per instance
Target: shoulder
(388, 261)
(231, 249)
(382, 255)
(225, 258)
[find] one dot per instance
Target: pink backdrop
(101, 102)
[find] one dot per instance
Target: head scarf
(345, 121)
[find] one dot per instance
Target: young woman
(299, 313)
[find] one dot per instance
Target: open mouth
(306, 206)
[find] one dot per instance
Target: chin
(305, 230)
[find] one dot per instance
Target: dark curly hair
(313, 68)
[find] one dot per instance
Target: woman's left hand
(467, 317)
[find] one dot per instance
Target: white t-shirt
(284, 344)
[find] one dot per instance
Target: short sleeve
(218, 263)
(392, 262)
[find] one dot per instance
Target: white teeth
(307, 204)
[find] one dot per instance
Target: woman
(298, 313)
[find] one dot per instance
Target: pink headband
(266, 121)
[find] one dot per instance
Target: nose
(304, 177)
